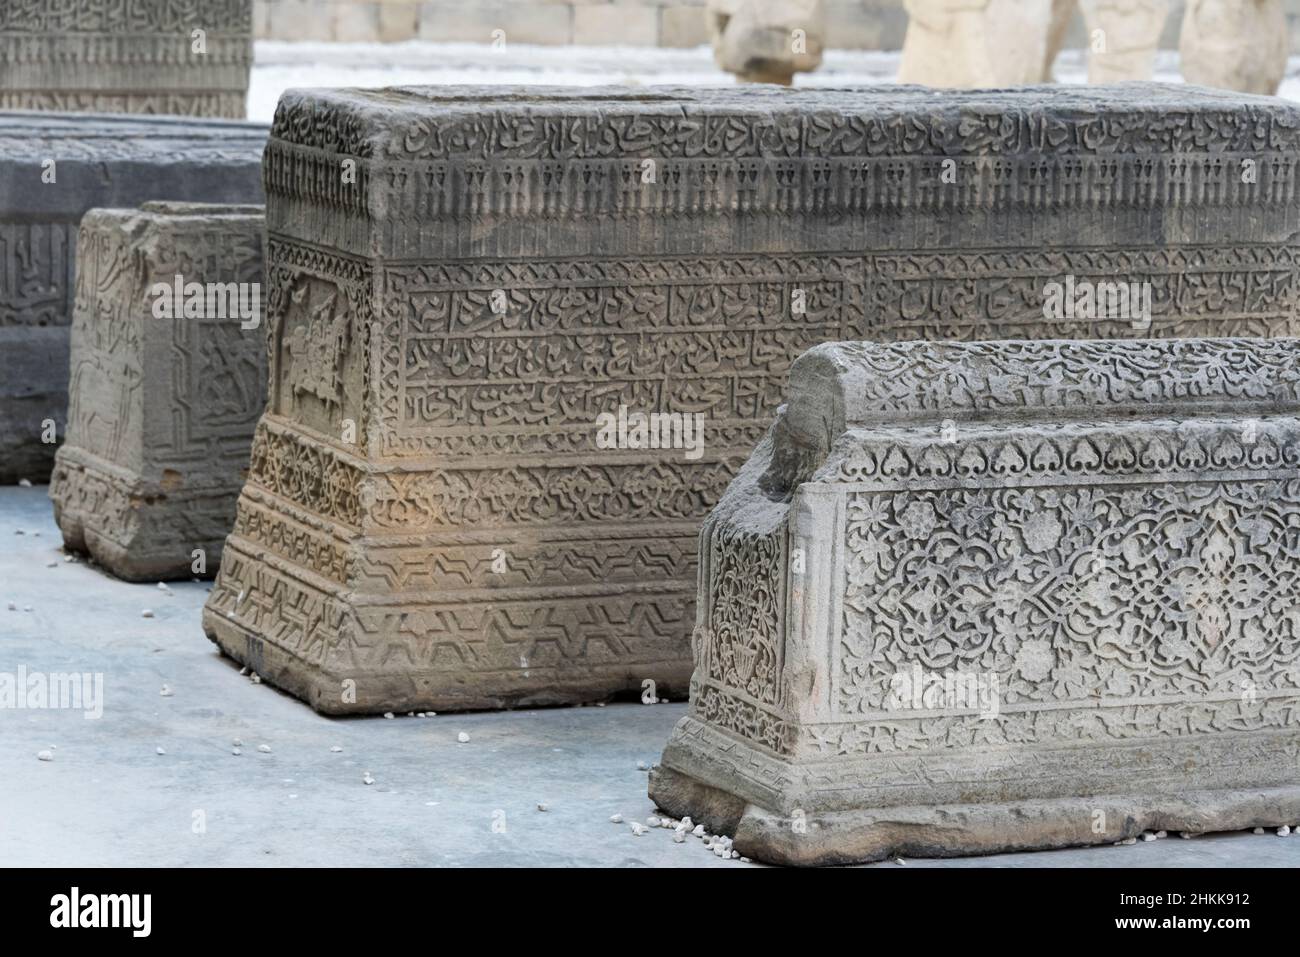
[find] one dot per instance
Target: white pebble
(24, 483)
(698, 830)
(1162, 834)
(147, 613)
(388, 715)
(1259, 830)
(1283, 831)
(652, 821)
(642, 766)
(237, 743)
(160, 750)
(45, 755)
(542, 807)
(236, 751)
(463, 738)
(744, 860)
(165, 692)
(1186, 835)
(1148, 836)
(336, 749)
(264, 748)
(13, 606)
(255, 678)
(638, 829)
(243, 671)
(616, 819)
(367, 779)
(679, 837)
(687, 823)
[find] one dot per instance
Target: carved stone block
(168, 381)
(52, 169)
(126, 56)
(978, 597)
(462, 282)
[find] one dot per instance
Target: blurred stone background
(850, 24)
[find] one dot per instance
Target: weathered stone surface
(1235, 44)
(428, 513)
(162, 401)
(975, 43)
(766, 41)
(975, 597)
(1123, 38)
(92, 161)
(126, 56)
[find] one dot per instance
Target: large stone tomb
(126, 56)
(463, 281)
(978, 597)
(54, 167)
(168, 379)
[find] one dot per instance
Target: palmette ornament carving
(127, 56)
(1095, 545)
(461, 282)
(161, 409)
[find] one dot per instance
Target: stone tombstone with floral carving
(126, 56)
(167, 381)
(978, 597)
(464, 283)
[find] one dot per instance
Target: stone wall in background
(849, 24)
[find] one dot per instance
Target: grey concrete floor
(109, 799)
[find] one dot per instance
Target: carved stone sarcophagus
(975, 597)
(168, 380)
(477, 297)
(54, 167)
(126, 56)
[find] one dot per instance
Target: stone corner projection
(464, 283)
(54, 167)
(978, 597)
(126, 56)
(168, 378)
